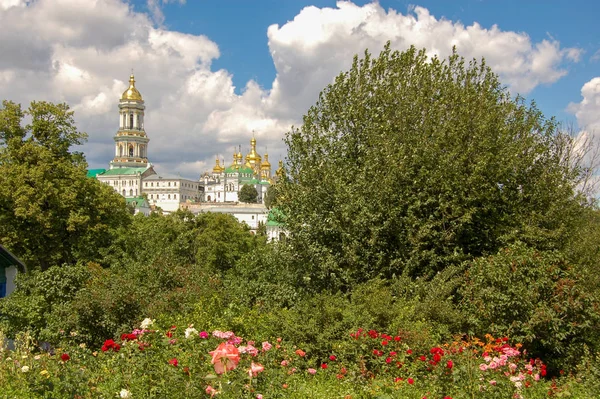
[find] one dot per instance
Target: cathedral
(133, 176)
(224, 183)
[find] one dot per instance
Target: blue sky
(240, 27)
(213, 73)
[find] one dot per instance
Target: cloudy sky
(213, 71)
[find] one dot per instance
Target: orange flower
(300, 352)
(225, 358)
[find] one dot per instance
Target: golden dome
(280, 171)
(218, 168)
(131, 93)
(266, 164)
(253, 158)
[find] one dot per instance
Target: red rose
(411, 381)
(450, 364)
(332, 358)
(324, 366)
(65, 356)
(174, 362)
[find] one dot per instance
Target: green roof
(94, 172)
(241, 170)
(123, 171)
(139, 201)
(275, 217)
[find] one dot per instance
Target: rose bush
(158, 362)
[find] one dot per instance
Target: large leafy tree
(50, 212)
(407, 161)
(248, 194)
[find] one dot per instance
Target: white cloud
(82, 52)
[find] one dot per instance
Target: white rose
(146, 323)
(190, 332)
(25, 369)
(125, 394)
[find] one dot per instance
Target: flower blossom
(146, 323)
(124, 394)
(203, 335)
(65, 357)
(255, 368)
(266, 346)
(225, 358)
(223, 335)
(190, 331)
(211, 391)
(312, 371)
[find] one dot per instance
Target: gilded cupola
(218, 168)
(253, 158)
(131, 94)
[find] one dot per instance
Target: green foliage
(248, 194)
(271, 196)
(50, 212)
(534, 297)
(37, 298)
(418, 163)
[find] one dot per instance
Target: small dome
(131, 93)
(266, 164)
(218, 168)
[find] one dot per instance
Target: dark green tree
(271, 196)
(50, 212)
(248, 194)
(419, 163)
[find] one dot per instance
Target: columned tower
(131, 142)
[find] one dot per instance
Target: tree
(248, 194)
(419, 163)
(271, 196)
(50, 212)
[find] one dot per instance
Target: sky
(215, 72)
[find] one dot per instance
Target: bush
(534, 297)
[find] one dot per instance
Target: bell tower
(131, 142)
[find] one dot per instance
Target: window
(169, 184)
(131, 121)
(151, 184)
(174, 196)
(169, 196)
(175, 184)
(151, 196)
(124, 193)
(146, 184)
(131, 193)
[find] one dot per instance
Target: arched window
(208, 199)
(131, 121)
(124, 121)
(138, 121)
(151, 196)
(131, 193)
(174, 196)
(151, 184)
(169, 196)
(124, 192)
(130, 150)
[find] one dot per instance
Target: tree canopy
(50, 212)
(410, 162)
(248, 194)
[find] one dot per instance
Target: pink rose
(225, 358)
(312, 371)
(483, 367)
(255, 368)
(266, 346)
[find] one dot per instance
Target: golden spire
(218, 168)
(253, 158)
(266, 164)
(280, 171)
(131, 93)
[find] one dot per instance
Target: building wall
(126, 185)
